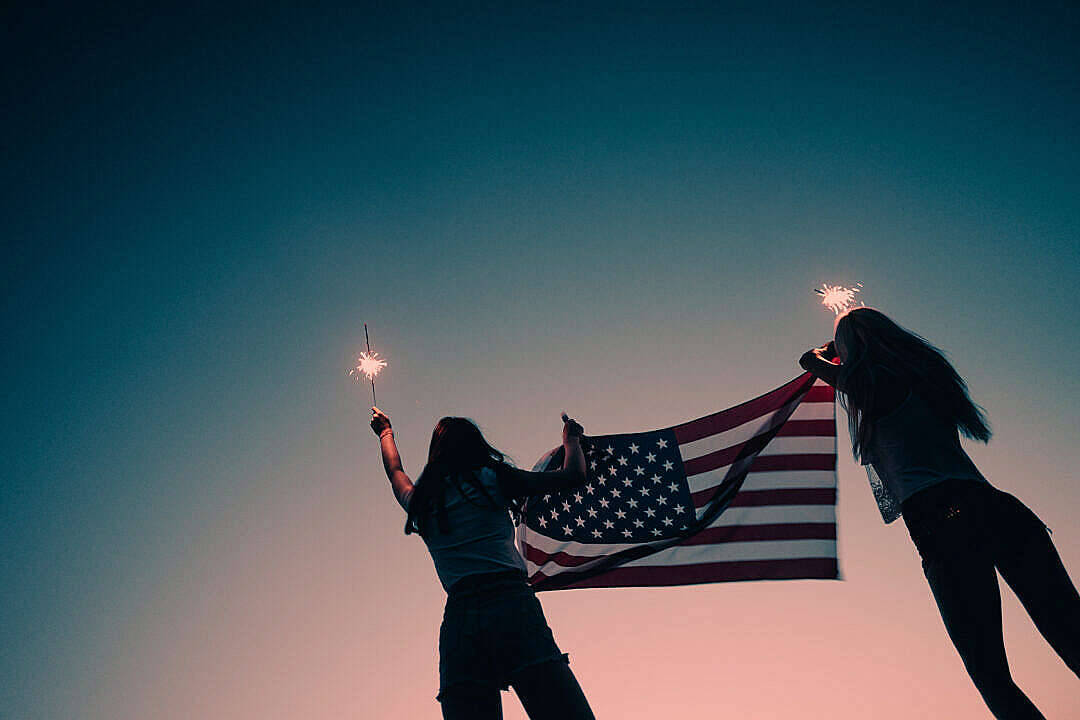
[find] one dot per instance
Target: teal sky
(619, 211)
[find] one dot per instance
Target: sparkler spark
(838, 298)
(370, 364)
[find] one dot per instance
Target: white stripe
(764, 515)
(781, 480)
(733, 551)
(720, 552)
(775, 515)
(742, 433)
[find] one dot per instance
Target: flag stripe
(733, 417)
(683, 555)
(779, 446)
(785, 496)
(825, 568)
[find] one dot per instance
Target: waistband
(484, 583)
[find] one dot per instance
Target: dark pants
(963, 531)
(494, 636)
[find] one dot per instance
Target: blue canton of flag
(635, 491)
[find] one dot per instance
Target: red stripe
(539, 557)
(808, 568)
(733, 417)
(758, 498)
(754, 533)
(808, 428)
(820, 393)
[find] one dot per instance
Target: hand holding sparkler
(380, 421)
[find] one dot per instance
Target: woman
(906, 408)
(493, 633)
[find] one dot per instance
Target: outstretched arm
(822, 362)
(399, 481)
(519, 483)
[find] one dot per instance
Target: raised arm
(518, 483)
(822, 362)
(399, 481)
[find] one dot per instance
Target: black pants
(964, 530)
(494, 636)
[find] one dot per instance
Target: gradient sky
(618, 211)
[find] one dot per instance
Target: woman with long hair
(493, 634)
(906, 408)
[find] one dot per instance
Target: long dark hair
(870, 339)
(457, 451)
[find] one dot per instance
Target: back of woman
(479, 534)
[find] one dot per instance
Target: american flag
(748, 493)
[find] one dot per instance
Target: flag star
(566, 506)
(627, 482)
(592, 465)
(622, 460)
(620, 514)
(612, 470)
(577, 497)
(668, 521)
(627, 533)
(684, 527)
(679, 509)
(662, 500)
(610, 450)
(601, 480)
(639, 523)
(650, 512)
(615, 492)
(566, 529)
(543, 521)
(596, 533)
(644, 491)
(656, 532)
(608, 524)
(579, 521)
(656, 479)
(590, 489)
(554, 514)
(668, 465)
(603, 502)
(650, 457)
(674, 487)
(662, 443)
(633, 448)
(592, 512)
(639, 470)
(632, 502)
(547, 498)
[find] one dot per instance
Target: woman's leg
(549, 691)
(1031, 565)
(471, 702)
(966, 590)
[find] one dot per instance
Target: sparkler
(838, 298)
(369, 364)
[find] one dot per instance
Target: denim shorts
(492, 628)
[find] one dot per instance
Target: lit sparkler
(838, 298)
(369, 363)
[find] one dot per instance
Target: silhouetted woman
(493, 633)
(906, 407)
